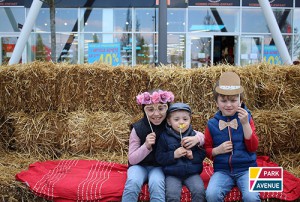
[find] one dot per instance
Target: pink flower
(166, 96)
(155, 97)
(144, 98)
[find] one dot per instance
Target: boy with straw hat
(230, 141)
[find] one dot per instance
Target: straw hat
(229, 84)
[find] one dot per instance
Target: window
(213, 20)
(12, 19)
(259, 25)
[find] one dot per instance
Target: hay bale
(278, 131)
(39, 134)
(278, 86)
(96, 87)
(28, 88)
(52, 134)
(289, 161)
(38, 86)
(97, 131)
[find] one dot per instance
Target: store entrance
(224, 50)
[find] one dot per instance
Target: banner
(99, 3)
(11, 2)
(214, 3)
(273, 3)
(108, 53)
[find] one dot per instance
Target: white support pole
(275, 31)
(26, 30)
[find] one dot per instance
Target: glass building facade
(125, 32)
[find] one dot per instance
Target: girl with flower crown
(143, 167)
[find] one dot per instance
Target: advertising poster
(214, 3)
(11, 2)
(271, 55)
(104, 52)
(273, 3)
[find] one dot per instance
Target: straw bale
(97, 131)
(39, 134)
(278, 130)
(10, 189)
(195, 86)
(289, 161)
(278, 86)
(40, 86)
(53, 134)
(99, 88)
(28, 87)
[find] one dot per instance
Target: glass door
(251, 50)
(199, 51)
(7, 46)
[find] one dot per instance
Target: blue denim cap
(179, 106)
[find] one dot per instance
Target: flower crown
(156, 97)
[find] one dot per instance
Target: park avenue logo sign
(265, 179)
(271, 1)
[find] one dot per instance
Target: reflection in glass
(296, 53)
(66, 51)
(200, 51)
(259, 25)
(7, 45)
(12, 19)
(122, 20)
(271, 53)
(176, 20)
(176, 49)
(145, 49)
(251, 50)
(125, 40)
(213, 19)
(94, 22)
(146, 20)
(65, 20)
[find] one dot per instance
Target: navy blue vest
(240, 159)
(142, 129)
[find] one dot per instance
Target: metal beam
(275, 31)
(26, 30)
(162, 32)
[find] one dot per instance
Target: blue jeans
(194, 183)
(221, 183)
(137, 175)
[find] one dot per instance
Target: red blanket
(91, 180)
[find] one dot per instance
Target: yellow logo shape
(254, 173)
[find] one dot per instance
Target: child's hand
(243, 115)
(223, 148)
(189, 154)
(150, 140)
(179, 152)
(189, 142)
